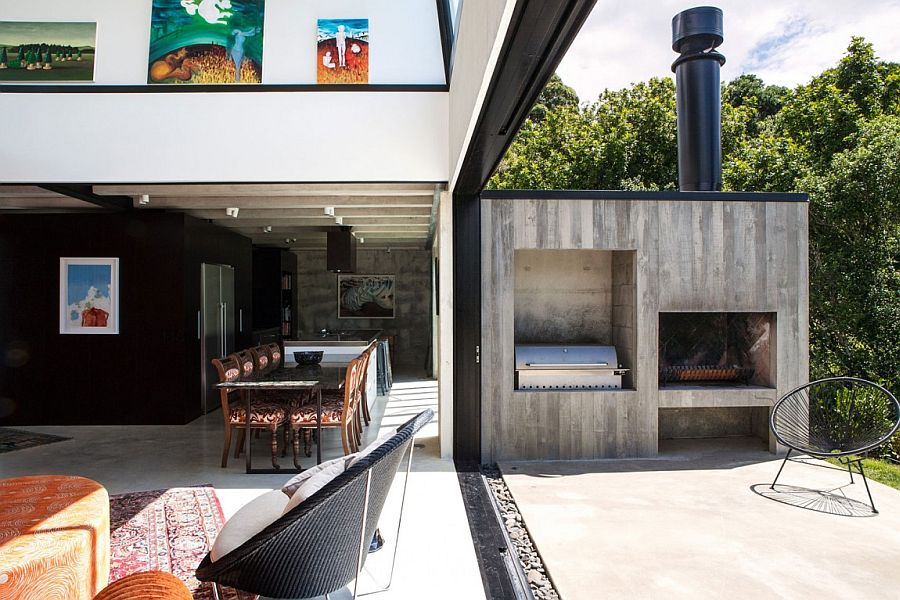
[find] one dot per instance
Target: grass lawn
(882, 471)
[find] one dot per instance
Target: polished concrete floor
(435, 556)
(701, 522)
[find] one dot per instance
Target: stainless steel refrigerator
(215, 326)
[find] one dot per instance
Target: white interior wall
(247, 136)
(404, 35)
(224, 137)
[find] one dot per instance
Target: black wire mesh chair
(320, 546)
(838, 417)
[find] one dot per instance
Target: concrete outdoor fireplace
(703, 294)
(718, 279)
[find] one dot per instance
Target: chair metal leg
(399, 522)
(850, 470)
(866, 482)
(363, 542)
(784, 462)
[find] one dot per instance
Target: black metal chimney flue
(696, 33)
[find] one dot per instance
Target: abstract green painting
(206, 41)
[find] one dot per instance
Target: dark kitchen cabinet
(274, 304)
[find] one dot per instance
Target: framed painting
(366, 297)
(89, 295)
(39, 51)
(343, 51)
(206, 41)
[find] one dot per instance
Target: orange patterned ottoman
(54, 538)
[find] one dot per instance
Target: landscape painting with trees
(46, 51)
(836, 138)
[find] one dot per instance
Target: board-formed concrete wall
(317, 292)
(692, 252)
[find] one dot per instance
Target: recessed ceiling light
(144, 199)
(232, 212)
(329, 211)
(339, 220)
(267, 229)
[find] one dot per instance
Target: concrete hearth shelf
(708, 396)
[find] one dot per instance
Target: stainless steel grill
(573, 367)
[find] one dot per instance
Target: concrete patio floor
(701, 522)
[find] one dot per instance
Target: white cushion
(248, 521)
(294, 483)
(318, 480)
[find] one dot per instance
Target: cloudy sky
(783, 41)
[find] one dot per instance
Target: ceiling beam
(47, 203)
(267, 189)
(271, 203)
(323, 222)
(299, 213)
(25, 191)
(85, 193)
(321, 231)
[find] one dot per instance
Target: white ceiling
(299, 215)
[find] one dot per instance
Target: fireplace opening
(730, 349)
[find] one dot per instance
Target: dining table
(308, 379)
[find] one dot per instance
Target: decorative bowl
(308, 357)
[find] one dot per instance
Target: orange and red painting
(343, 51)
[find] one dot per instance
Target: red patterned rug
(166, 530)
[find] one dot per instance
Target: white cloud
(93, 299)
(784, 42)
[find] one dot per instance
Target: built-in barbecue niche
(574, 319)
(716, 349)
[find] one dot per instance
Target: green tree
(749, 91)
(555, 95)
(855, 257)
(4, 58)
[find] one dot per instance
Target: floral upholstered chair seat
(332, 411)
(260, 412)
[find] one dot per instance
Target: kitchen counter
(346, 337)
(337, 347)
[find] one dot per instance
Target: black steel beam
(644, 196)
(445, 24)
(85, 193)
(539, 34)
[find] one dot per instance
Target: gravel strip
(540, 583)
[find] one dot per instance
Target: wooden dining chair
(260, 358)
(275, 356)
(263, 415)
(245, 359)
(369, 354)
(336, 412)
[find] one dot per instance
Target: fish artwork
(367, 296)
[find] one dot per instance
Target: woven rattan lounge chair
(321, 545)
(839, 417)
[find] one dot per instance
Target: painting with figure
(89, 295)
(47, 51)
(366, 297)
(206, 41)
(343, 51)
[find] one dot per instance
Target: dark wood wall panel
(139, 376)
